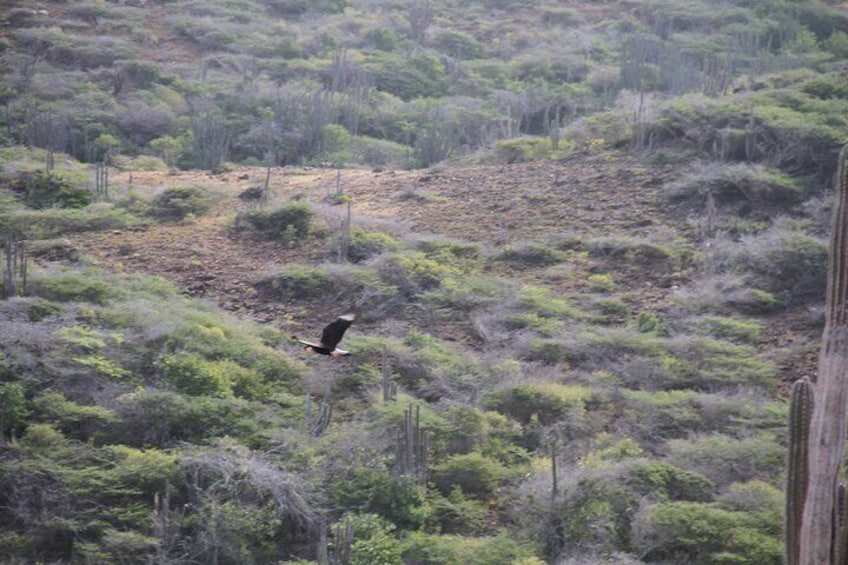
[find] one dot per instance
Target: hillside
(494, 207)
(603, 209)
(585, 243)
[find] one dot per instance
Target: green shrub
(369, 487)
(663, 481)
(737, 183)
(456, 514)
(73, 420)
(72, 286)
(755, 496)
(382, 38)
(636, 254)
(457, 296)
(54, 222)
(653, 417)
(601, 283)
(299, 7)
(725, 459)
(837, 43)
(755, 301)
(363, 244)
(296, 281)
(458, 45)
(727, 327)
(476, 475)
(419, 75)
(196, 376)
(728, 293)
(164, 419)
(501, 440)
(607, 450)
(461, 550)
(610, 342)
(460, 254)
(334, 143)
(374, 542)
(379, 152)
(596, 512)
(287, 223)
(175, 204)
(647, 323)
(546, 351)
(532, 255)
(42, 190)
(698, 533)
(789, 263)
(708, 363)
(13, 409)
(42, 437)
(413, 272)
(549, 402)
(542, 301)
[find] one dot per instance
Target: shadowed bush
(284, 224)
(42, 190)
(295, 281)
(549, 402)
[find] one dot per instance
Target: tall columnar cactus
(389, 387)
(820, 535)
(316, 424)
(101, 181)
(800, 413)
(413, 445)
(343, 541)
(555, 482)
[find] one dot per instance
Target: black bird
(330, 338)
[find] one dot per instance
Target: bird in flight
(330, 338)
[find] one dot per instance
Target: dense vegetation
(138, 425)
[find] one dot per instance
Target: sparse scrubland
(585, 242)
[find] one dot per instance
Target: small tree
(15, 271)
(13, 409)
(211, 139)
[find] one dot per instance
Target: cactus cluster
(815, 495)
(413, 444)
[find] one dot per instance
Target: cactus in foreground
(800, 412)
(821, 536)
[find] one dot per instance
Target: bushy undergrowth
(137, 425)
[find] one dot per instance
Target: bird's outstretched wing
(305, 342)
(333, 333)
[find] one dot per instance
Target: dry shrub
(783, 260)
(735, 187)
